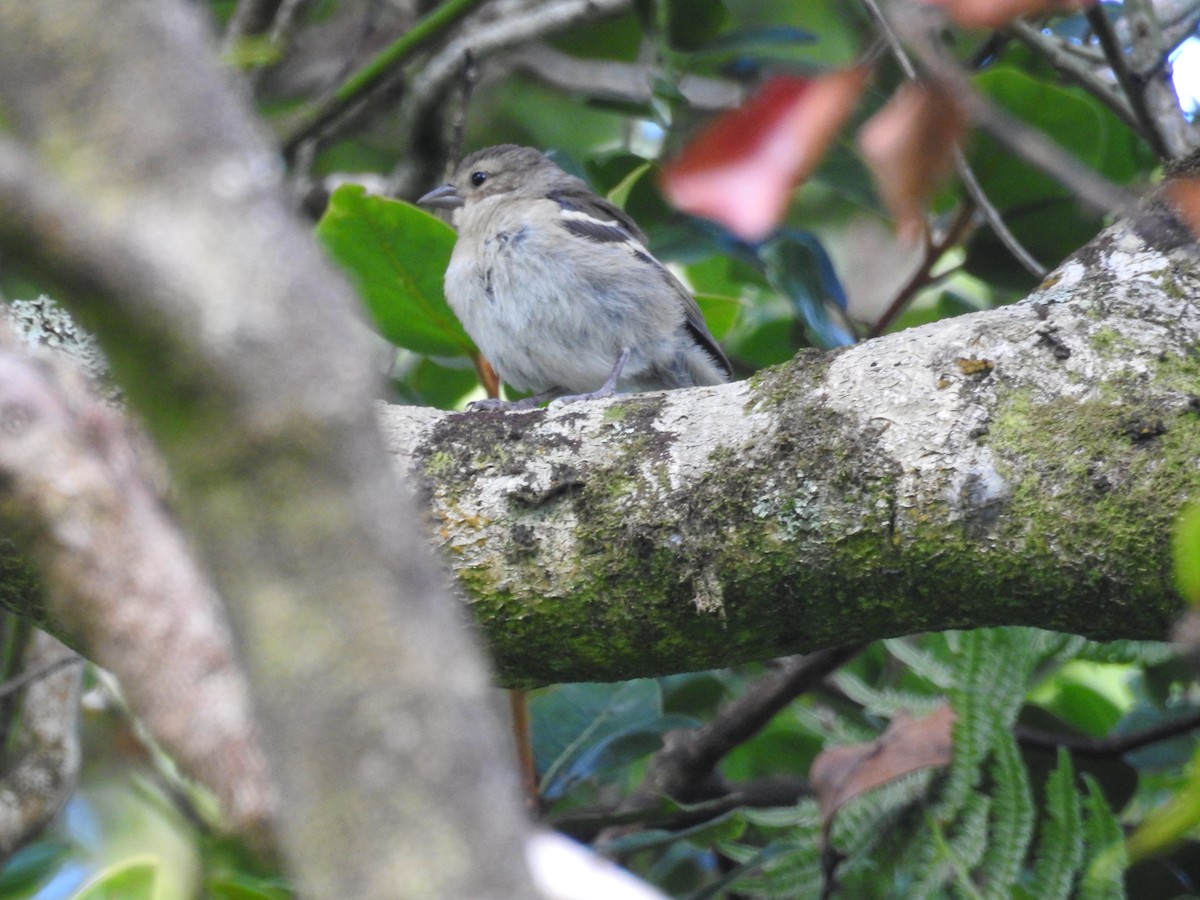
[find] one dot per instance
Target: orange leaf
(906, 745)
(1183, 193)
(909, 147)
(994, 13)
(741, 169)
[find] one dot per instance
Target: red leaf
(994, 13)
(906, 745)
(909, 147)
(741, 169)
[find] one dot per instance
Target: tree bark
(143, 185)
(1020, 466)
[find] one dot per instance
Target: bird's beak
(444, 197)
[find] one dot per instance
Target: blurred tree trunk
(134, 176)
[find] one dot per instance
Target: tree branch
(1132, 86)
(1110, 745)
(1019, 466)
(688, 756)
(121, 581)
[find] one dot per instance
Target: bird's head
(505, 169)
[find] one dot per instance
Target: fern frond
(969, 843)
(921, 661)
(1013, 816)
(1060, 845)
(885, 702)
(1106, 855)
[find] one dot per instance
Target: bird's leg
(605, 390)
(531, 402)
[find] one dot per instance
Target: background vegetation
(726, 783)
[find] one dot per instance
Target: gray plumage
(555, 285)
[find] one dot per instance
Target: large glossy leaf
(799, 268)
(580, 730)
(132, 879)
(1042, 214)
(396, 255)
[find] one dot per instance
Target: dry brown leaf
(740, 171)
(995, 13)
(906, 745)
(1183, 193)
(909, 147)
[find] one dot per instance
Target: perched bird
(555, 286)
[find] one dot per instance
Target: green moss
(616, 412)
(1116, 468)
(1106, 339)
(439, 463)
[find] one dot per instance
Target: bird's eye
(478, 178)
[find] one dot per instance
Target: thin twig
(430, 85)
(1112, 745)
(966, 175)
(1149, 61)
(893, 40)
(513, 28)
(1183, 27)
(689, 755)
(584, 824)
(923, 276)
(458, 130)
(379, 70)
(15, 684)
(992, 216)
(631, 82)
(1132, 86)
(1091, 189)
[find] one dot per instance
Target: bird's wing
(589, 216)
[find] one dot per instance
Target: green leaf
(719, 312)
(693, 23)
(1013, 816)
(396, 255)
(1090, 696)
(30, 865)
(1042, 214)
(769, 343)
(428, 383)
(131, 879)
(244, 887)
(1185, 547)
(798, 266)
(580, 730)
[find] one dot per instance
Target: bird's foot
(495, 404)
(605, 390)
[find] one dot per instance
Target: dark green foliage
(996, 823)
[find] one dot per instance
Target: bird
(555, 286)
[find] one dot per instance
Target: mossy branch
(1020, 466)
